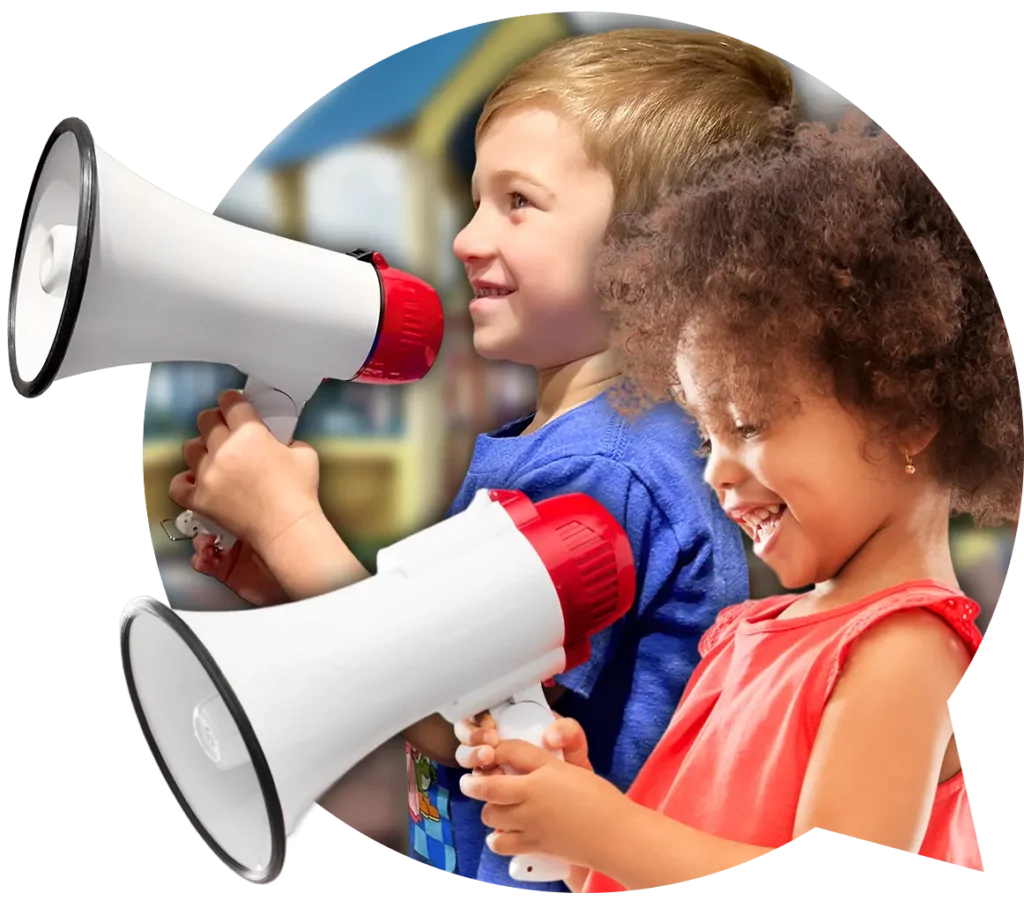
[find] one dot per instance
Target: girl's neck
(561, 388)
(913, 546)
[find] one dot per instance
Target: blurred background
(384, 162)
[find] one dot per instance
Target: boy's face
(799, 484)
(530, 249)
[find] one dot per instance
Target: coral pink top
(733, 759)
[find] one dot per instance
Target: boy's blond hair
(650, 102)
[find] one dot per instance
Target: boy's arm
(310, 559)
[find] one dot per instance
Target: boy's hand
(243, 478)
(240, 569)
(478, 738)
(555, 808)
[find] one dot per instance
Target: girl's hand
(243, 478)
(479, 736)
(556, 807)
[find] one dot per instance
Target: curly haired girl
(821, 314)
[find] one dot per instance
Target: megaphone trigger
(182, 528)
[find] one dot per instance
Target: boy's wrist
(309, 558)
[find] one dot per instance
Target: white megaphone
(253, 715)
(112, 271)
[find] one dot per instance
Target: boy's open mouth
(490, 291)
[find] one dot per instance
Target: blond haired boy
(590, 128)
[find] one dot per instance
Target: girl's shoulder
(730, 617)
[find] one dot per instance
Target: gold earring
(911, 469)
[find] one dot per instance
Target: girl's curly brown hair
(830, 252)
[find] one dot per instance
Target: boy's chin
(491, 345)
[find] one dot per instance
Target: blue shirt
(690, 564)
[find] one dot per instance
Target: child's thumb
(567, 735)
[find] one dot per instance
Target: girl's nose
(723, 471)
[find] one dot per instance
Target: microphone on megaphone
(253, 715)
(111, 271)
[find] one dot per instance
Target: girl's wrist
(621, 829)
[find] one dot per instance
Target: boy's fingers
(206, 419)
(182, 490)
(236, 409)
(193, 451)
(204, 544)
(521, 755)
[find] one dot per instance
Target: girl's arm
(879, 753)
(649, 849)
(881, 748)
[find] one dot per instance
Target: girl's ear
(917, 440)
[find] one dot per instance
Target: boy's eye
(705, 448)
(748, 432)
(518, 200)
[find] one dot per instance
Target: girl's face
(799, 485)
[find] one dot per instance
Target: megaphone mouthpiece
(587, 555)
(411, 330)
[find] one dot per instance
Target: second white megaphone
(253, 715)
(111, 271)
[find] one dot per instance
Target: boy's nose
(472, 243)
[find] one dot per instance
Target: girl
(821, 314)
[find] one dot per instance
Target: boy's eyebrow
(507, 175)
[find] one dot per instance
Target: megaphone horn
(110, 271)
(252, 715)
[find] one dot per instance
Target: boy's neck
(561, 388)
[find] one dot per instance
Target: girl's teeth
(763, 513)
(774, 508)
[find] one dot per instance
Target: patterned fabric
(430, 826)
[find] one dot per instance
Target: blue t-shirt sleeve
(653, 540)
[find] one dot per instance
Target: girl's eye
(704, 450)
(518, 200)
(748, 432)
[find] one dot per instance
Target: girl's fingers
(474, 757)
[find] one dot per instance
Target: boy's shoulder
(595, 448)
(662, 438)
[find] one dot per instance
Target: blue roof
(386, 95)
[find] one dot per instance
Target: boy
(584, 131)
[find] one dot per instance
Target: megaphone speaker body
(252, 715)
(112, 271)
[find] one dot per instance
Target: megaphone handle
(526, 720)
(281, 415)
